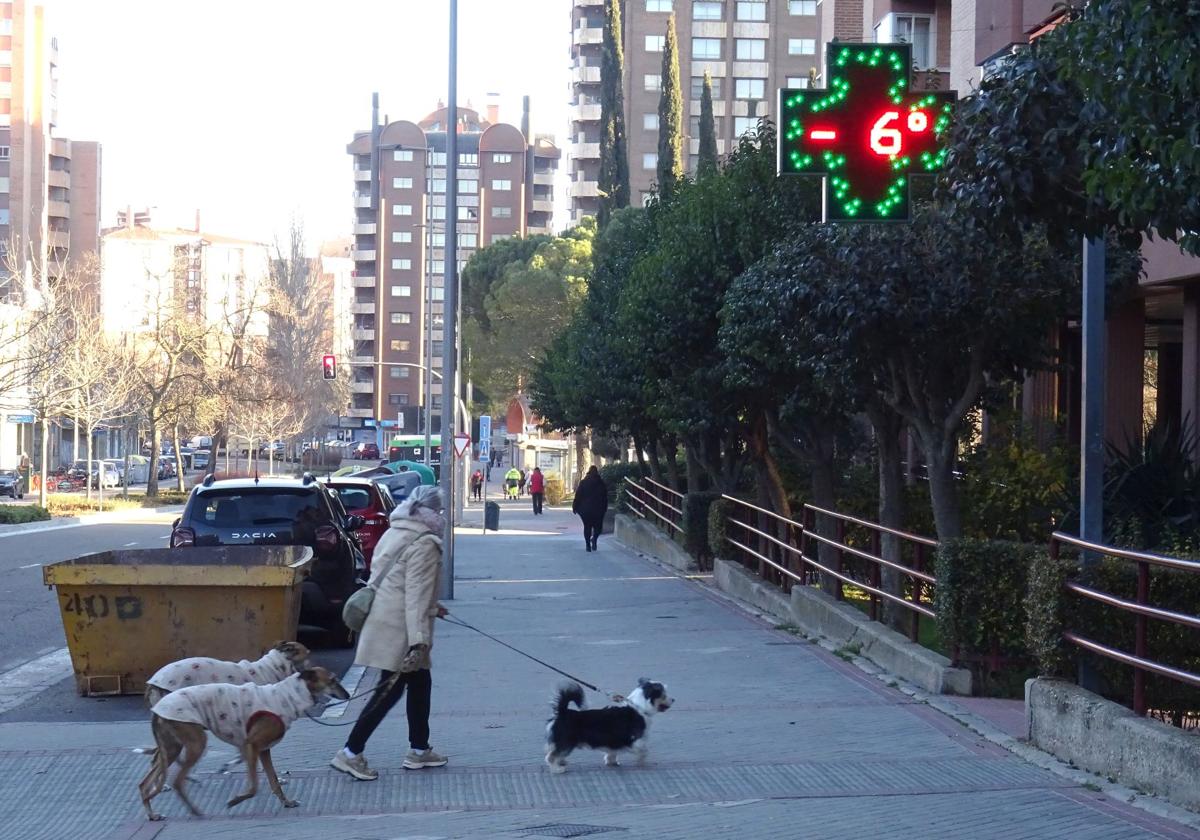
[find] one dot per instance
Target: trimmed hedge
(20, 514)
(695, 526)
(718, 528)
(980, 602)
(614, 476)
(1167, 642)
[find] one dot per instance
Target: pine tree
(670, 117)
(708, 130)
(614, 153)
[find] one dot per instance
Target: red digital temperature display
(867, 133)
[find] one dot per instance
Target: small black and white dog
(612, 729)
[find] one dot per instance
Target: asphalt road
(34, 626)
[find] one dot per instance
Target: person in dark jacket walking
(591, 503)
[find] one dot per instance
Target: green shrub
(556, 488)
(1017, 491)
(1045, 615)
(18, 514)
(718, 528)
(614, 476)
(69, 504)
(1152, 490)
(980, 604)
(695, 526)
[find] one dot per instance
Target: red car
(367, 499)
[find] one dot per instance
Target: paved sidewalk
(770, 736)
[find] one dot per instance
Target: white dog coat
(201, 670)
(228, 710)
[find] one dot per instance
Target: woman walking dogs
(398, 632)
(591, 503)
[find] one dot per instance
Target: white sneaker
(356, 767)
(420, 760)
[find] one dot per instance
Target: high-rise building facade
(505, 189)
(49, 186)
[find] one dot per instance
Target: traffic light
(329, 366)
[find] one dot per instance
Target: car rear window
(354, 498)
(258, 506)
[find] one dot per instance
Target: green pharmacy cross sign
(866, 132)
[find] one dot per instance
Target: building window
(801, 46)
(437, 240)
(401, 264)
(652, 82)
(401, 317)
(695, 127)
(437, 212)
(698, 88)
(402, 155)
(501, 157)
(916, 30)
(468, 158)
(797, 82)
(467, 240)
(749, 88)
(650, 160)
(650, 122)
(437, 185)
(751, 49)
(397, 399)
(439, 293)
(437, 158)
(400, 346)
(468, 187)
(658, 5)
(437, 266)
(500, 237)
(401, 209)
(500, 184)
(398, 372)
(706, 49)
(5, 151)
(401, 291)
(402, 183)
(501, 212)
(402, 237)
(654, 43)
(437, 349)
(751, 10)
(706, 10)
(802, 7)
(743, 124)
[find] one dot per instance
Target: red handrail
(1139, 660)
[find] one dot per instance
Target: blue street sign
(387, 424)
(485, 438)
(23, 418)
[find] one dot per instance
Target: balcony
(543, 206)
(585, 113)
(361, 282)
(588, 151)
(363, 255)
(362, 201)
(585, 189)
(585, 75)
(58, 239)
(362, 175)
(362, 308)
(362, 387)
(59, 178)
(61, 209)
(364, 230)
(363, 360)
(360, 412)
(586, 35)
(544, 178)
(363, 335)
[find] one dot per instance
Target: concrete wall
(1102, 737)
(649, 540)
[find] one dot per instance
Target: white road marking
(350, 681)
(31, 566)
(24, 681)
(127, 545)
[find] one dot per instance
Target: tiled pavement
(770, 736)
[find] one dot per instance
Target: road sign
(400, 419)
(867, 132)
(485, 437)
(26, 417)
(462, 442)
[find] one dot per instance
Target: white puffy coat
(405, 604)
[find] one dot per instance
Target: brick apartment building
(505, 189)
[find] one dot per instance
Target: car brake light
(327, 538)
(183, 537)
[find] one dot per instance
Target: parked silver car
(12, 484)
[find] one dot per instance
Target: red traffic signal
(329, 366)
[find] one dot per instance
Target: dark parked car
(398, 485)
(365, 498)
(366, 452)
(12, 484)
(283, 511)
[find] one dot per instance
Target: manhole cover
(567, 830)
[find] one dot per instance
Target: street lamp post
(450, 306)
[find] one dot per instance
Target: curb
(86, 519)
(944, 704)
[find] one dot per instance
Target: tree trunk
(74, 438)
(670, 447)
(155, 448)
(87, 435)
(889, 431)
(824, 495)
(943, 489)
(45, 468)
(696, 479)
(770, 482)
(179, 485)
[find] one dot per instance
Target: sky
(243, 108)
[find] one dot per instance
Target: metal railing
(1140, 659)
(768, 544)
(849, 533)
(656, 502)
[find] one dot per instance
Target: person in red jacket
(537, 489)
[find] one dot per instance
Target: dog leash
(584, 683)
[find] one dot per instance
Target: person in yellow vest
(512, 479)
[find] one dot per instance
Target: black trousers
(420, 690)
(537, 501)
(592, 529)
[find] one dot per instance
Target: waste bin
(127, 613)
(491, 516)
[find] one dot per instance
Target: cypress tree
(708, 130)
(670, 117)
(614, 154)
